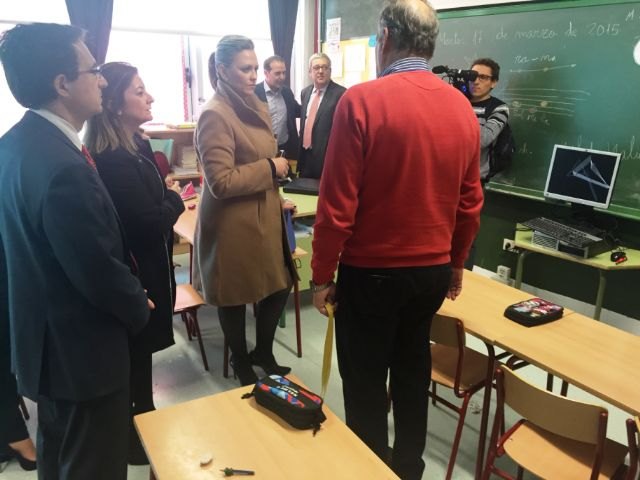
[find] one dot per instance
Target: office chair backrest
(560, 415)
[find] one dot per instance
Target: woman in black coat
(147, 209)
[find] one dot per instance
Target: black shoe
(25, 463)
(269, 365)
(243, 370)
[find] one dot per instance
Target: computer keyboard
(562, 232)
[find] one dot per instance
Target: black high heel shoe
(25, 463)
(243, 371)
(269, 365)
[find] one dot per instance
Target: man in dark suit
(73, 300)
(283, 107)
(318, 104)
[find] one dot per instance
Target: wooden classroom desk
(186, 224)
(481, 306)
(306, 205)
(600, 262)
(598, 358)
(240, 434)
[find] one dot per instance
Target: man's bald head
(412, 26)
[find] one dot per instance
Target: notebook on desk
(304, 186)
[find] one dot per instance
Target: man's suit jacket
(292, 147)
(72, 300)
(321, 128)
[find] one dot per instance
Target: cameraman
(493, 115)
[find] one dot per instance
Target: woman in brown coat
(241, 251)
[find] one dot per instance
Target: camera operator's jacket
(493, 115)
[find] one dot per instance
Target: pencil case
(299, 407)
(534, 311)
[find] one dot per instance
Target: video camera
(458, 78)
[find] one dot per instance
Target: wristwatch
(319, 288)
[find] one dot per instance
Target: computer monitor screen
(582, 175)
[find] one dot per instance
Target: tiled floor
(180, 376)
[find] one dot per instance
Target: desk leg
(519, 268)
(484, 421)
(602, 285)
(191, 264)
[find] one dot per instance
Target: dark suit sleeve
(293, 107)
(141, 215)
(260, 92)
(81, 227)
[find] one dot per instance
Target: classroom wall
(502, 211)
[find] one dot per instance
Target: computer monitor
(582, 176)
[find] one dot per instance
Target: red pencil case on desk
(534, 311)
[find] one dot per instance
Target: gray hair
(318, 56)
(412, 26)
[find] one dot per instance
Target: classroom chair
(455, 366)
(514, 363)
(188, 301)
(557, 437)
(633, 438)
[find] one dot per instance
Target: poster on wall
(334, 26)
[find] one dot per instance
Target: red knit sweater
(401, 181)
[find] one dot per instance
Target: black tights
(268, 311)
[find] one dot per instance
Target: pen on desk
(229, 472)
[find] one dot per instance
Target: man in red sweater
(399, 206)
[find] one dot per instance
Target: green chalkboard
(569, 76)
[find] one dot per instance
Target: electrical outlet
(508, 245)
(504, 274)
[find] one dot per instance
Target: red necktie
(87, 155)
(311, 118)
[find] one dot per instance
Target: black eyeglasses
(484, 77)
(97, 70)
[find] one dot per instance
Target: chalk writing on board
(542, 105)
(599, 29)
(542, 33)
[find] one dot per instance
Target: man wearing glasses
(493, 115)
(66, 279)
(318, 104)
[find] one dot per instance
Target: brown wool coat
(241, 253)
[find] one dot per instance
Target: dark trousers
(268, 311)
(382, 327)
(83, 440)
(141, 391)
(306, 167)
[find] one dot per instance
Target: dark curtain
(282, 18)
(95, 17)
